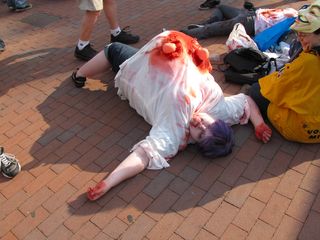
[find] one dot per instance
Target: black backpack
(246, 65)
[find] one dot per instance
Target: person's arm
(135, 163)
(262, 131)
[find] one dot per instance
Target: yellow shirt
(294, 95)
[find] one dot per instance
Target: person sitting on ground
(224, 18)
(290, 98)
(168, 82)
(19, 5)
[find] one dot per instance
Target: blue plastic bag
(271, 35)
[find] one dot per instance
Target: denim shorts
(117, 53)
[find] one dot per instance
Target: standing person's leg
(111, 13)
(117, 35)
(92, 9)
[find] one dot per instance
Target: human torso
(294, 95)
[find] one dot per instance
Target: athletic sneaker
(86, 53)
(209, 4)
(25, 7)
(2, 45)
(79, 82)
(10, 166)
(125, 37)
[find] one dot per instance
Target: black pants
(260, 100)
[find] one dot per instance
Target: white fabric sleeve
(232, 110)
(162, 144)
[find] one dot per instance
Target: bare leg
(135, 163)
(96, 65)
(88, 23)
(262, 130)
(110, 11)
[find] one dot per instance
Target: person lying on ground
(290, 97)
(168, 82)
(224, 18)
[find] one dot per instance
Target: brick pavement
(68, 139)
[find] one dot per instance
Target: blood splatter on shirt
(166, 87)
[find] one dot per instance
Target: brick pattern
(68, 139)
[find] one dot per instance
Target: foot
(9, 165)
(21, 9)
(263, 132)
(86, 53)
(79, 82)
(98, 191)
(209, 4)
(125, 37)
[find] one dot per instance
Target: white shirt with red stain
(266, 18)
(166, 90)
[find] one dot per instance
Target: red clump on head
(176, 43)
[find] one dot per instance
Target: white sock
(115, 32)
(82, 44)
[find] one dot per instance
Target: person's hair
(218, 142)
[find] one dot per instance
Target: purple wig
(219, 142)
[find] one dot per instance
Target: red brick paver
(68, 139)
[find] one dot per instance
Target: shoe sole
(204, 8)
(23, 9)
(7, 176)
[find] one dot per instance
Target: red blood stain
(184, 46)
(97, 191)
(260, 130)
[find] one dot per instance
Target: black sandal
(79, 82)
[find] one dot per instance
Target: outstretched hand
(263, 132)
(97, 191)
